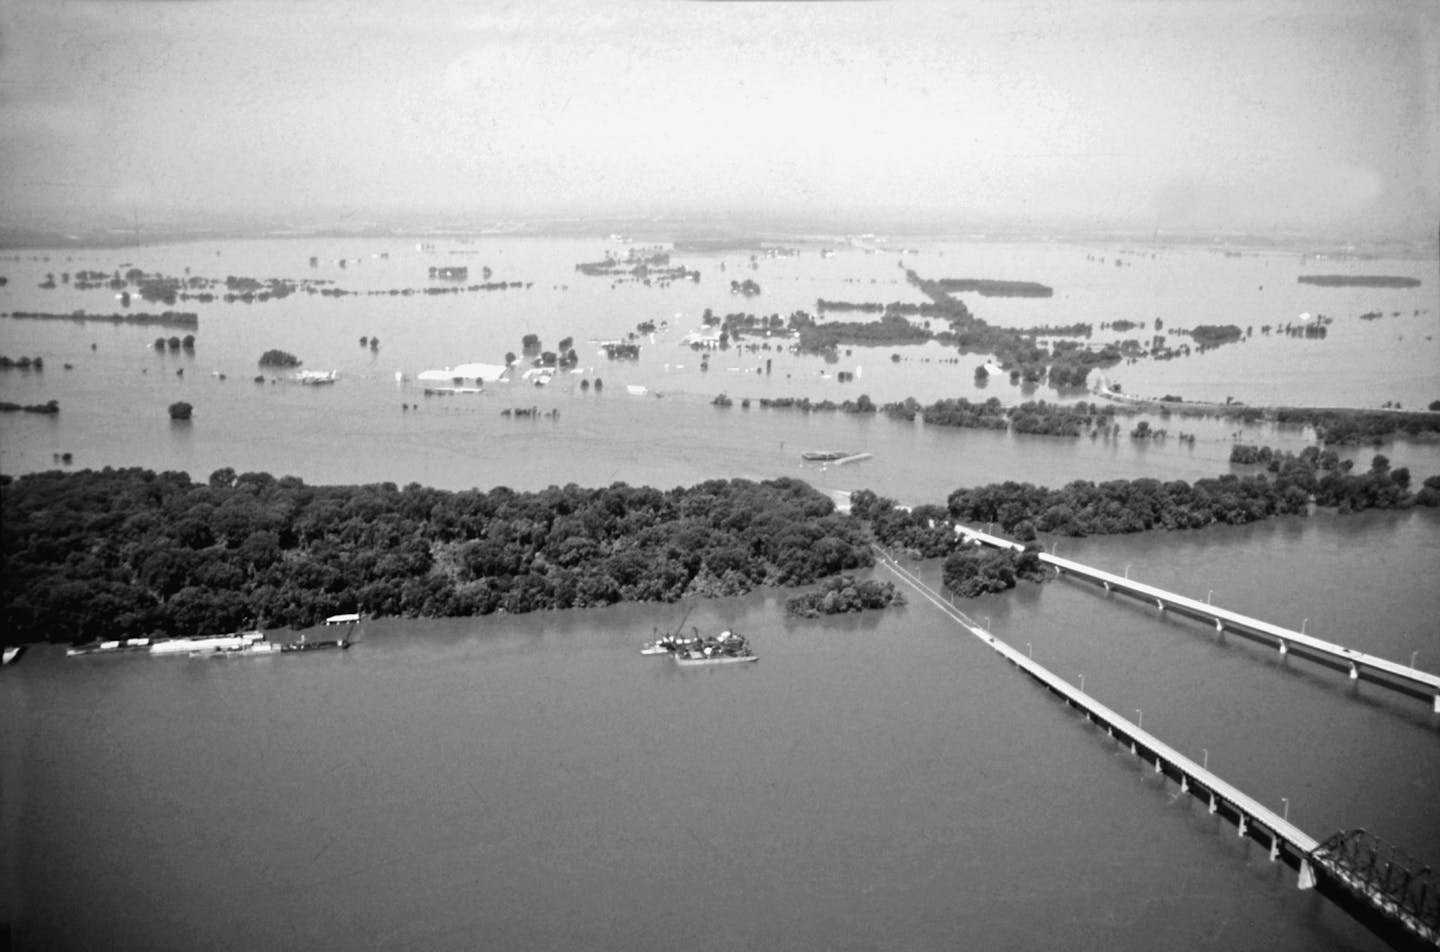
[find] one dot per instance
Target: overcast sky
(1168, 113)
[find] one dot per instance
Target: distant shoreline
(708, 237)
(1359, 281)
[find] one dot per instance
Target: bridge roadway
(1358, 663)
(1285, 841)
(1251, 816)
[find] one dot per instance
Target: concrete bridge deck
(1284, 837)
(1357, 663)
(1286, 841)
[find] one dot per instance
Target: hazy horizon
(144, 116)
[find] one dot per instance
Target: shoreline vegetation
(130, 552)
(163, 319)
(1359, 281)
(239, 289)
(1334, 426)
(990, 288)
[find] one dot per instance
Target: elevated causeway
(1400, 904)
(1358, 664)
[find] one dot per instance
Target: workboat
(727, 648)
(303, 645)
(672, 641)
(824, 456)
(662, 645)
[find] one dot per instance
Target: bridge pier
(1437, 704)
(1184, 783)
(1107, 585)
(1307, 876)
(1274, 847)
(1213, 805)
(1240, 827)
(1219, 626)
(1159, 604)
(1354, 672)
(1284, 648)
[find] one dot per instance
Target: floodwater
(883, 781)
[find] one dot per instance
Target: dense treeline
(1359, 281)
(132, 552)
(1067, 366)
(1343, 427)
(992, 288)
(1083, 508)
(843, 594)
(1033, 417)
(1333, 482)
(890, 330)
(972, 570)
(1213, 335)
(48, 408)
(1022, 510)
(163, 319)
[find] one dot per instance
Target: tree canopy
(125, 552)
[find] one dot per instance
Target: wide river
(886, 781)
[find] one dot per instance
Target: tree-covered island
(130, 552)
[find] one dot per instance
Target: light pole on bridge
(1139, 718)
(1029, 651)
(1413, 655)
(1205, 755)
(1303, 623)
(1286, 815)
(1082, 684)
(1127, 570)
(987, 621)
(1207, 596)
